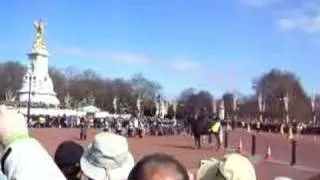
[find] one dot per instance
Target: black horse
(200, 125)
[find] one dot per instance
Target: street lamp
(235, 101)
(261, 104)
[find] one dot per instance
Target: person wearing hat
(231, 167)
(107, 158)
(23, 157)
(67, 157)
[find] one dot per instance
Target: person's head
(67, 158)
(107, 157)
(231, 167)
(158, 167)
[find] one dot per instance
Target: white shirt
(28, 160)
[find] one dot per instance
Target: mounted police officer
(215, 130)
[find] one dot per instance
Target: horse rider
(215, 130)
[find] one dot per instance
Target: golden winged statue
(39, 43)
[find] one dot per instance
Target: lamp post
(313, 102)
(115, 105)
(214, 106)
(29, 100)
(221, 110)
(286, 106)
(235, 100)
(261, 105)
(139, 106)
(174, 109)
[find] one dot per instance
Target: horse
(201, 125)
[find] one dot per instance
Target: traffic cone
(248, 128)
(240, 146)
(268, 154)
(290, 135)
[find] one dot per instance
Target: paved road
(179, 146)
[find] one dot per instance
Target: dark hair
(67, 157)
(137, 173)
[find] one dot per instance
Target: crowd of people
(107, 157)
(123, 126)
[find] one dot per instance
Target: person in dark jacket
(83, 129)
(196, 130)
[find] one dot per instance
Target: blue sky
(207, 44)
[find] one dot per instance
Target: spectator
(107, 157)
(67, 157)
(230, 167)
(24, 157)
(158, 166)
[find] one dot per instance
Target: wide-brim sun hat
(107, 157)
(231, 167)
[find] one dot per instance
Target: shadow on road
(316, 177)
(177, 146)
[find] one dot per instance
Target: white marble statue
(37, 75)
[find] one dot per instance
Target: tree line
(73, 87)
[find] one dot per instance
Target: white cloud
(306, 24)
(185, 65)
(127, 58)
(287, 24)
(305, 17)
(261, 3)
